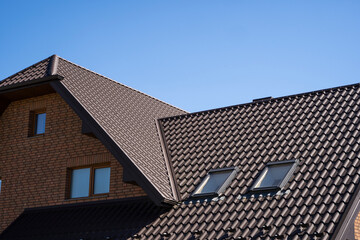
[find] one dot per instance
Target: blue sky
(196, 54)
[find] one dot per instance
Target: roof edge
(262, 102)
(26, 68)
(30, 83)
(91, 203)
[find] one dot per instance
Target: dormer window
(275, 175)
(215, 182)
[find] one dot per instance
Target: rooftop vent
(262, 99)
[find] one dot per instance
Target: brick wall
(34, 169)
(357, 227)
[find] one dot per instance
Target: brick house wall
(357, 227)
(34, 170)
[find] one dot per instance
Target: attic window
(215, 182)
(90, 181)
(275, 175)
(40, 119)
(37, 122)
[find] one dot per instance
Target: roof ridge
(121, 84)
(53, 65)
(269, 100)
(23, 70)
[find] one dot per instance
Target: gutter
(30, 83)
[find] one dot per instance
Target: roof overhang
(33, 88)
(20, 91)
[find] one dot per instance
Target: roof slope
(36, 71)
(92, 221)
(126, 115)
(320, 129)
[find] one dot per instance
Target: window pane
(213, 182)
(0, 185)
(273, 175)
(102, 180)
(40, 123)
(80, 182)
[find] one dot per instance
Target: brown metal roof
(36, 71)
(126, 115)
(117, 219)
(320, 129)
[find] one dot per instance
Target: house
(84, 157)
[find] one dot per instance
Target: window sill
(88, 198)
(37, 135)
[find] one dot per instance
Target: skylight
(215, 182)
(275, 175)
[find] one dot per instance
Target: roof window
(275, 175)
(215, 182)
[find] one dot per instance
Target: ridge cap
(255, 103)
(53, 65)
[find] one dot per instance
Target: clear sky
(196, 54)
